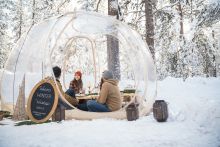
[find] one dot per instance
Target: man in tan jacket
(109, 98)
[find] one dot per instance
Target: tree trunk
(206, 70)
(33, 13)
(113, 44)
(181, 20)
(150, 26)
(20, 19)
(214, 58)
(214, 67)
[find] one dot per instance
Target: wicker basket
(160, 110)
(132, 112)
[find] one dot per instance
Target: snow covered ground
(194, 121)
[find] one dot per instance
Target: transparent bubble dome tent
(78, 41)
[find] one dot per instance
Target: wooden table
(87, 97)
(126, 97)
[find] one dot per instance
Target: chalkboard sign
(42, 101)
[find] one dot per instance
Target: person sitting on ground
(109, 98)
(69, 94)
(76, 84)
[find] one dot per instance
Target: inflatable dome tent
(78, 40)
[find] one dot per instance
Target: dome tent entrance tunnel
(78, 40)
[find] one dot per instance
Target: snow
(194, 118)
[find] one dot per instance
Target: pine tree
(4, 30)
(183, 57)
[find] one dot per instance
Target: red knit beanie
(79, 74)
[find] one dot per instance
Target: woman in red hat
(76, 84)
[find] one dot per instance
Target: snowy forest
(161, 86)
(182, 35)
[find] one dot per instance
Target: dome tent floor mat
(84, 115)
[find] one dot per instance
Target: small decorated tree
(19, 111)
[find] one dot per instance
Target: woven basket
(160, 110)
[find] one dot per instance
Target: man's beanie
(107, 74)
(56, 71)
